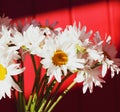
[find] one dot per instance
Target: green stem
(36, 88)
(47, 94)
(96, 65)
(42, 93)
(41, 86)
(61, 96)
(42, 106)
(29, 103)
(21, 99)
(34, 63)
(56, 91)
(37, 75)
(33, 104)
(39, 79)
(35, 70)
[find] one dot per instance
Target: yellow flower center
(3, 72)
(59, 58)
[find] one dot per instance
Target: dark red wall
(102, 15)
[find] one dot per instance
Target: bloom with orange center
(60, 57)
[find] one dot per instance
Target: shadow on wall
(22, 8)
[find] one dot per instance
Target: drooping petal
(104, 69)
(85, 86)
(80, 77)
(14, 69)
(14, 85)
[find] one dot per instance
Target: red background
(102, 15)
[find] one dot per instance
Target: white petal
(85, 88)
(108, 40)
(112, 72)
(91, 87)
(50, 77)
(80, 77)
(104, 69)
(14, 85)
(58, 75)
(64, 69)
(14, 69)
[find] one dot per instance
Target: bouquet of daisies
(62, 54)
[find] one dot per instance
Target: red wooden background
(102, 15)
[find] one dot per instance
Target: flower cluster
(62, 52)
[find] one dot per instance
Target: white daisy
(10, 54)
(109, 60)
(76, 34)
(7, 70)
(18, 38)
(6, 81)
(31, 39)
(7, 47)
(89, 77)
(59, 57)
(5, 36)
(94, 54)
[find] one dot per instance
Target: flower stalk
(61, 96)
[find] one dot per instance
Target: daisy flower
(110, 61)
(76, 34)
(18, 38)
(5, 36)
(6, 81)
(31, 39)
(10, 54)
(58, 57)
(7, 43)
(90, 77)
(79, 37)
(7, 70)
(109, 51)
